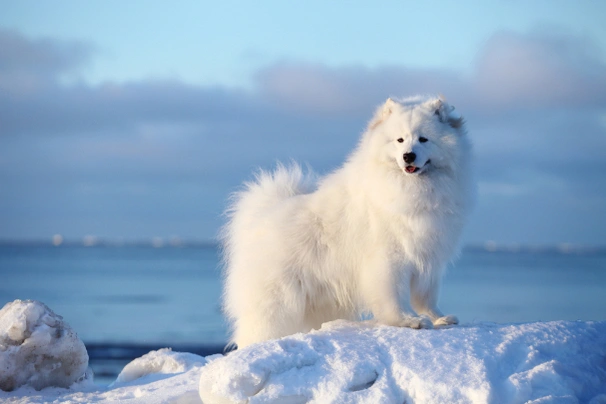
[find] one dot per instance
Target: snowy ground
(344, 362)
(348, 362)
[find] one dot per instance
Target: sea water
(134, 294)
(141, 294)
(138, 295)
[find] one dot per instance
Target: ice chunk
(162, 361)
(38, 348)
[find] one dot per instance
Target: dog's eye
(400, 140)
(422, 139)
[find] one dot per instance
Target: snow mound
(39, 349)
(179, 388)
(348, 362)
(160, 362)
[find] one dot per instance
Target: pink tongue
(411, 169)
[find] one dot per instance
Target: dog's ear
(382, 113)
(445, 114)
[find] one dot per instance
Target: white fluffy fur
(368, 238)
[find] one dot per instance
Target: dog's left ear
(444, 112)
(382, 113)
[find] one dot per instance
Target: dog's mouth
(413, 169)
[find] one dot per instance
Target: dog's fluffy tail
(267, 189)
(246, 217)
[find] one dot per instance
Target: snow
(38, 348)
(160, 362)
(176, 388)
(347, 362)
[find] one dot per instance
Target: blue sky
(137, 119)
(224, 43)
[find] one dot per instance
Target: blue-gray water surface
(141, 294)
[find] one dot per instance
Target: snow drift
(349, 362)
(38, 348)
(159, 377)
(160, 362)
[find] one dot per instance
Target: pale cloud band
(535, 105)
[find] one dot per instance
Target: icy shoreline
(558, 361)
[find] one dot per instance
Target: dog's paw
(416, 322)
(446, 320)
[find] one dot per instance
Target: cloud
(542, 69)
(318, 89)
(535, 106)
(28, 65)
(539, 70)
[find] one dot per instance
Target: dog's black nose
(409, 157)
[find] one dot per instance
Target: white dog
(372, 237)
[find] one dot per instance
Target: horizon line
(177, 242)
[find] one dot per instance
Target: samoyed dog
(373, 237)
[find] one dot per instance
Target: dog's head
(420, 135)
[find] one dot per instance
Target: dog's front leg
(386, 293)
(424, 298)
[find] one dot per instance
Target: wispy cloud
(534, 104)
(543, 69)
(28, 66)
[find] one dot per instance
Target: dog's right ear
(382, 113)
(445, 114)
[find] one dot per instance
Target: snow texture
(160, 362)
(345, 362)
(348, 362)
(176, 388)
(38, 348)
(158, 377)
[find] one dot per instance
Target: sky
(132, 120)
